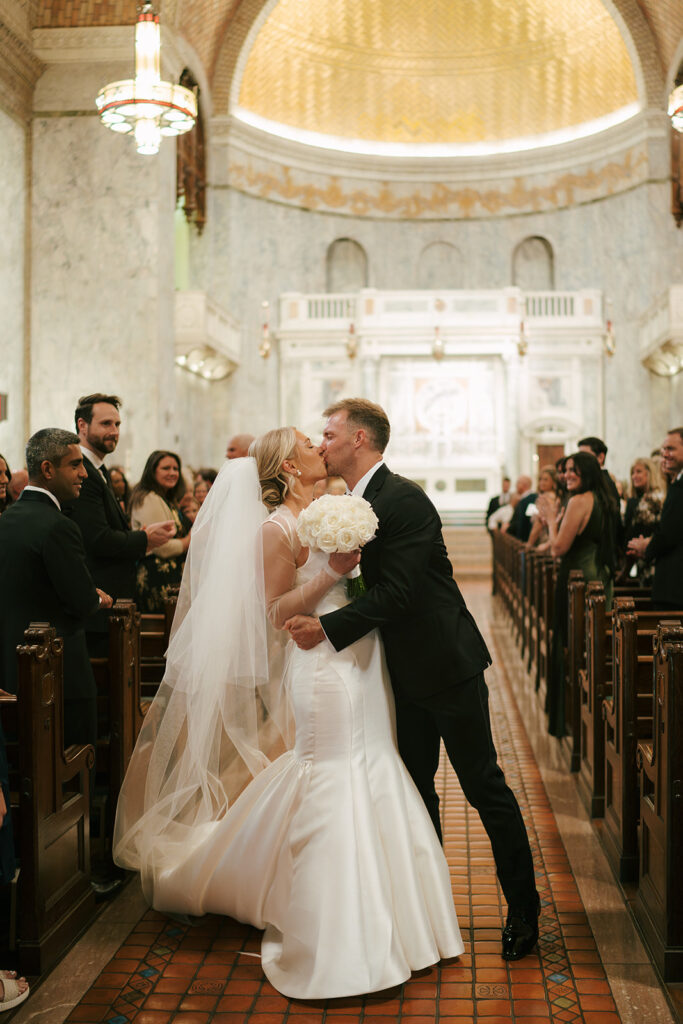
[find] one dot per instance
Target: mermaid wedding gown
(329, 849)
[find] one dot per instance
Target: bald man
(238, 446)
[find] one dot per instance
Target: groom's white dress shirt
(359, 490)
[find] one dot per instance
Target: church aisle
(589, 966)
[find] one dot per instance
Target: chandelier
(145, 106)
(676, 108)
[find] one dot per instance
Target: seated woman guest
(5, 477)
(153, 500)
(643, 512)
(583, 538)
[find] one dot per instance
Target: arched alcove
(533, 265)
(347, 266)
(439, 266)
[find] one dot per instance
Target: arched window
(533, 265)
(347, 266)
(439, 266)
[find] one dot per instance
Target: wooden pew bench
(595, 686)
(628, 718)
(658, 906)
(120, 711)
(155, 632)
(50, 806)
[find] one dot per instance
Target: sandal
(12, 995)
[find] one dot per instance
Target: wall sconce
(265, 344)
(352, 343)
(609, 340)
(438, 347)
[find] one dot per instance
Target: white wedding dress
(329, 848)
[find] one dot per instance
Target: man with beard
(112, 548)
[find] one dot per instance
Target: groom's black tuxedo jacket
(112, 549)
(44, 579)
(430, 639)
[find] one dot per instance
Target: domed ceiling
(437, 72)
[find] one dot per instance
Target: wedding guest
(156, 497)
(582, 538)
(120, 487)
(499, 499)
(5, 477)
(18, 481)
(238, 446)
(643, 512)
(520, 524)
(665, 546)
(200, 491)
(547, 484)
(597, 447)
(500, 519)
(561, 486)
(112, 548)
(189, 507)
(207, 474)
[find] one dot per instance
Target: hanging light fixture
(676, 108)
(145, 106)
(265, 345)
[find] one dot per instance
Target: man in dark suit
(520, 524)
(45, 576)
(499, 499)
(665, 546)
(112, 548)
(435, 653)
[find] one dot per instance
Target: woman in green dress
(582, 537)
(160, 488)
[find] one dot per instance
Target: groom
(435, 653)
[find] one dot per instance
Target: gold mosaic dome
(437, 71)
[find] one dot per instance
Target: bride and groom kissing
(266, 783)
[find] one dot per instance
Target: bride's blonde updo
(270, 450)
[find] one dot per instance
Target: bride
(265, 784)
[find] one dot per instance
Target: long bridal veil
(220, 715)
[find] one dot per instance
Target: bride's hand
(341, 562)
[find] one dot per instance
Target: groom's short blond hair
(364, 415)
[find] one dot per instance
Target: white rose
(347, 539)
(327, 541)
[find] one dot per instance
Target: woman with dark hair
(5, 477)
(120, 486)
(582, 537)
(155, 499)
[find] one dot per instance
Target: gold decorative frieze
(437, 71)
(429, 200)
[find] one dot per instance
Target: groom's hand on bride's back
(305, 630)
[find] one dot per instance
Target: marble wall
(626, 245)
(12, 285)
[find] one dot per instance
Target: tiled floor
(166, 971)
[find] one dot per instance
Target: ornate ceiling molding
(19, 72)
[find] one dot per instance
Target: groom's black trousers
(460, 716)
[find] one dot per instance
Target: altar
(477, 384)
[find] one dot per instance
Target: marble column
(102, 250)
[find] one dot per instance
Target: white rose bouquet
(338, 522)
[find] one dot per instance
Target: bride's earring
(298, 472)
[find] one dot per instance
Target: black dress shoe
(106, 889)
(520, 933)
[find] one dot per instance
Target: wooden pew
(627, 716)
(595, 684)
(575, 662)
(120, 711)
(55, 902)
(155, 632)
(546, 581)
(658, 905)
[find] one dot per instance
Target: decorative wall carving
(408, 200)
(19, 71)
